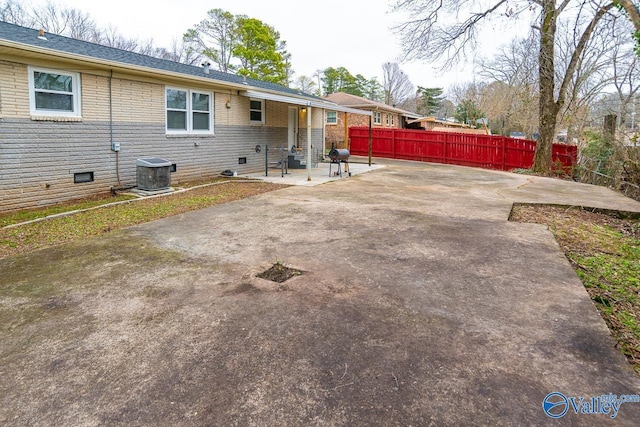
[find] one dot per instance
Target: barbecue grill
(337, 156)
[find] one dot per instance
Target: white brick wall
(38, 158)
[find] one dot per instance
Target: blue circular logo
(555, 405)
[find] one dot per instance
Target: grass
(90, 202)
(605, 253)
(54, 231)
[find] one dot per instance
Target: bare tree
(215, 38)
(552, 98)
(304, 84)
(13, 12)
(50, 18)
(511, 99)
(396, 84)
(146, 47)
(593, 73)
(69, 22)
(633, 13)
(79, 25)
(626, 75)
(179, 51)
(111, 37)
(425, 37)
(515, 64)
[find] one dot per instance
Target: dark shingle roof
(29, 36)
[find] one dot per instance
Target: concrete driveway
(419, 304)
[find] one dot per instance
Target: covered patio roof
(302, 101)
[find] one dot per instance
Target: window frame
(386, 119)
(393, 120)
(377, 118)
(189, 111)
(262, 120)
(335, 117)
(76, 93)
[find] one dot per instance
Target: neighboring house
(382, 116)
(75, 117)
(441, 125)
(430, 123)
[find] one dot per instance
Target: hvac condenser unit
(153, 174)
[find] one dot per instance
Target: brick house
(382, 116)
(76, 116)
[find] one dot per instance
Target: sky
(355, 34)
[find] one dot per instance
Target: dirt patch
(604, 250)
(279, 273)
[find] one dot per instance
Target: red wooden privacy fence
(485, 151)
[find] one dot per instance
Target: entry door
(293, 127)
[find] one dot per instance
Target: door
(292, 140)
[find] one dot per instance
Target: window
(393, 120)
(189, 111)
(377, 118)
(54, 93)
(201, 111)
(256, 111)
(332, 117)
(386, 119)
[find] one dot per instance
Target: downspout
(308, 142)
(111, 127)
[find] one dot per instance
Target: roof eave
(302, 101)
(383, 107)
(122, 66)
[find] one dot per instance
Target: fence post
(446, 142)
(393, 143)
(504, 153)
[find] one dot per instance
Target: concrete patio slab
(321, 174)
(419, 304)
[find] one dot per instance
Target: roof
(446, 123)
(357, 102)
(460, 130)
(16, 37)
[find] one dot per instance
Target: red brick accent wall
(335, 132)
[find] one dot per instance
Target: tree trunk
(632, 11)
(548, 108)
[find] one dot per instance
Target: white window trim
(76, 92)
(189, 111)
(379, 120)
(327, 118)
(262, 105)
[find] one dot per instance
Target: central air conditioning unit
(153, 174)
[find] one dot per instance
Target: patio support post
(370, 138)
(308, 142)
(346, 139)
